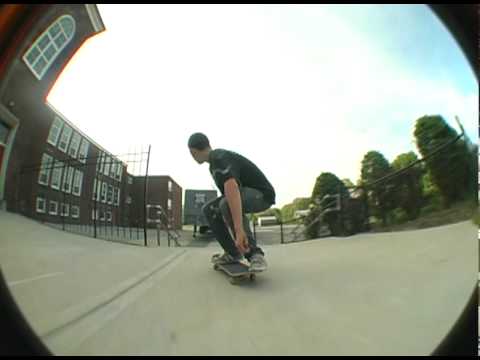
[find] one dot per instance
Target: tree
(326, 184)
(450, 170)
(380, 195)
(408, 192)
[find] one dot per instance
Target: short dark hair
(198, 141)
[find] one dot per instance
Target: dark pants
(217, 210)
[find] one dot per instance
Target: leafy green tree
(381, 195)
(408, 190)
(450, 170)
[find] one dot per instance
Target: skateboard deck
(236, 272)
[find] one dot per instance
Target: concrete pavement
(370, 294)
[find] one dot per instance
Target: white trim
(57, 175)
(103, 194)
(74, 147)
(47, 161)
(95, 18)
(56, 207)
(44, 209)
(110, 194)
(68, 130)
(67, 180)
(52, 44)
(77, 183)
(56, 120)
(107, 166)
(83, 151)
(64, 206)
(77, 215)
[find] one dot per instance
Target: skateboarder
(245, 190)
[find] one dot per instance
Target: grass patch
(462, 211)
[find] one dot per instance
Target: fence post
(281, 231)
(145, 197)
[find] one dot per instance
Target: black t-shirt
(225, 164)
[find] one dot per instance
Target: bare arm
(232, 194)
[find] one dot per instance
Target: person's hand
(241, 242)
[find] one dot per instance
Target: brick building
(49, 169)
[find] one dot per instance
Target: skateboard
(236, 272)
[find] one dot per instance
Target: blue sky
(299, 89)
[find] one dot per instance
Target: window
(75, 211)
(55, 130)
(53, 208)
(119, 172)
(67, 180)
(104, 192)
(99, 161)
(94, 214)
(41, 205)
(102, 215)
(43, 52)
(110, 194)
(46, 168)
(74, 145)
(64, 209)
(65, 138)
(82, 155)
(117, 196)
(94, 190)
(130, 180)
(113, 170)
(169, 204)
(109, 216)
(169, 186)
(77, 183)
(107, 165)
(129, 199)
(57, 175)
(98, 190)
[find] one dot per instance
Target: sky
(297, 89)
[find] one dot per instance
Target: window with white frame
(94, 190)
(128, 200)
(119, 172)
(83, 153)
(75, 211)
(110, 194)
(113, 170)
(65, 138)
(107, 165)
(41, 205)
(74, 145)
(43, 52)
(104, 192)
(64, 209)
(94, 214)
(102, 215)
(169, 204)
(116, 196)
(67, 180)
(109, 216)
(77, 183)
(57, 175)
(53, 207)
(55, 130)
(99, 161)
(45, 170)
(169, 186)
(98, 190)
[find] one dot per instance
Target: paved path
(370, 294)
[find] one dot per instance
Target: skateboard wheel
(252, 277)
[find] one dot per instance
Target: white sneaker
(258, 263)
